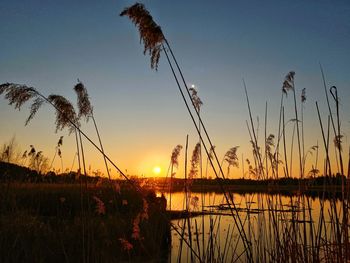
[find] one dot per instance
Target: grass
(83, 221)
(42, 222)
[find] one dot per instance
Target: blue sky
(49, 44)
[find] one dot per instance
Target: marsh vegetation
(274, 213)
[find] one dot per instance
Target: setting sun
(157, 170)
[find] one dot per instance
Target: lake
(274, 227)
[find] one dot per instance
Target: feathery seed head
(32, 151)
(195, 161)
(197, 102)
(175, 155)
(211, 152)
(303, 95)
(84, 105)
(231, 157)
(64, 113)
(150, 33)
(338, 142)
(288, 83)
(60, 142)
(17, 94)
(38, 102)
(270, 142)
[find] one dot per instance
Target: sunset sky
(50, 44)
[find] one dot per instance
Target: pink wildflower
(126, 245)
(100, 206)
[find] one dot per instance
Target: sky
(139, 111)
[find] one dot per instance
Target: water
(274, 225)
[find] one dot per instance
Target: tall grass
(291, 236)
(268, 228)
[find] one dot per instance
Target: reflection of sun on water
(157, 170)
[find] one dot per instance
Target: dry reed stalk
(86, 110)
(255, 142)
(62, 122)
(231, 158)
(329, 108)
(284, 146)
(174, 163)
(153, 40)
(289, 82)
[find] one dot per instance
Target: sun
(156, 170)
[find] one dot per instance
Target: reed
(154, 42)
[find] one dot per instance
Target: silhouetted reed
(231, 158)
(150, 33)
(86, 110)
(153, 39)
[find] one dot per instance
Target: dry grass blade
(84, 105)
(150, 33)
(65, 113)
(17, 94)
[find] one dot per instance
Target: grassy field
(59, 222)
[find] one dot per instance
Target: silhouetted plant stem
(265, 140)
(254, 151)
(338, 233)
(291, 152)
(230, 204)
(101, 145)
(53, 159)
(298, 133)
(278, 141)
(260, 170)
(170, 187)
(284, 144)
(81, 196)
(334, 93)
(329, 109)
(187, 204)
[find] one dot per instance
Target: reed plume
(194, 162)
(32, 151)
(65, 113)
(60, 142)
(195, 98)
(38, 102)
(175, 155)
(153, 39)
(86, 110)
(288, 84)
(84, 105)
(150, 33)
(17, 94)
(303, 95)
(231, 158)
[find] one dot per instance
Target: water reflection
(270, 223)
